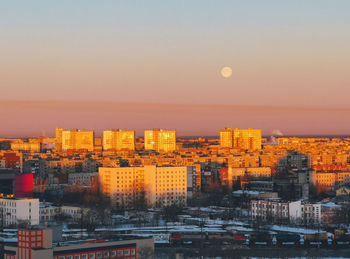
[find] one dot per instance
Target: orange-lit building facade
(74, 140)
(246, 174)
(118, 140)
(160, 140)
(226, 138)
(330, 180)
(160, 185)
(58, 139)
(247, 139)
(30, 146)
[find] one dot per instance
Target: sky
(287, 53)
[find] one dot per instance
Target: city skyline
(187, 120)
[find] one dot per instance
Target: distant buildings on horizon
(160, 140)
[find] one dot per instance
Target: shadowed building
(294, 177)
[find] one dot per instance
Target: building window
(113, 254)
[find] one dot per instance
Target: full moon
(226, 72)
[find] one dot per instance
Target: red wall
(23, 185)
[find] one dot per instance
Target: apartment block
(160, 140)
(247, 139)
(226, 138)
(160, 185)
(74, 140)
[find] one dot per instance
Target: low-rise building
(48, 212)
(85, 179)
(295, 212)
(37, 243)
(74, 212)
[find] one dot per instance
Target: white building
(74, 212)
(48, 212)
(296, 212)
(19, 210)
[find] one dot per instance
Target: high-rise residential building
(226, 138)
(160, 140)
(74, 140)
(159, 185)
(118, 140)
(247, 139)
(58, 140)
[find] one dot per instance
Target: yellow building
(330, 180)
(77, 140)
(226, 138)
(118, 140)
(247, 139)
(161, 185)
(34, 147)
(160, 140)
(58, 140)
(235, 173)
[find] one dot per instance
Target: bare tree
(146, 252)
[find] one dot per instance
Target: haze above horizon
(29, 118)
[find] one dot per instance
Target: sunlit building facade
(247, 139)
(331, 180)
(58, 139)
(161, 186)
(26, 146)
(160, 140)
(118, 140)
(76, 140)
(226, 138)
